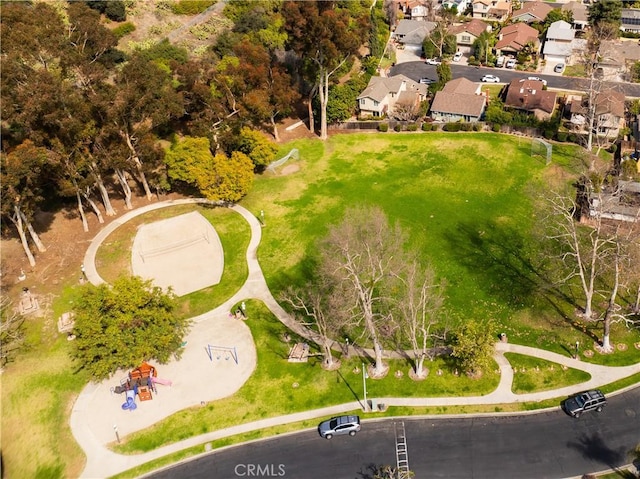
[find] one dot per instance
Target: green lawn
(466, 201)
(534, 374)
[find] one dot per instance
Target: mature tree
(473, 346)
(11, 331)
(606, 15)
(122, 325)
(255, 145)
(143, 101)
(218, 178)
(312, 303)
(326, 36)
(419, 300)
(444, 73)
(601, 255)
(22, 176)
(358, 256)
(556, 15)
(440, 42)
(482, 47)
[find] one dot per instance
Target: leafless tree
(596, 120)
(314, 303)
(419, 302)
(405, 111)
(391, 11)
(596, 251)
(583, 247)
(359, 255)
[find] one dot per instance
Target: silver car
(340, 425)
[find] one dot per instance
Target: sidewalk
(101, 462)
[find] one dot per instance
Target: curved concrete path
(101, 462)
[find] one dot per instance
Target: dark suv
(586, 401)
(337, 426)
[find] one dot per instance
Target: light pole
(577, 348)
(115, 429)
(364, 382)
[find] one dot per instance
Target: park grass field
(467, 201)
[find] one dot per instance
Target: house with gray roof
(382, 93)
(411, 33)
(580, 14)
(459, 100)
(558, 46)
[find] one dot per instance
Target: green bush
(451, 127)
(573, 138)
(496, 128)
(613, 148)
(191, 7)
(398, 128)
(124, 29)
(562, 136)
(548, 134)
(383, 127)
(426, 127)
(477, 127)
(412, 127)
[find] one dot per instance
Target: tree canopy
(122, 325)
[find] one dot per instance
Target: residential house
(630, 20)
(382, 93)
(609, 113)
(615, 56)
(467, 33)
(620, 203)
(492, 10)
(513, 38)
(411, 33)
(460, 6)
(459, 100)
(413, 9)
(532, 11)
(529, 96)
(580, 14)
(558, 46)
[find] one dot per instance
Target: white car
(433, 61)
(511, 63)
(457, 56)
(490, 79)
(426, 81)
(544, 82)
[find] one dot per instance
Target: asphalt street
(537, 446)
(417, 70)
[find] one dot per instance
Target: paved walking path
(101, 462)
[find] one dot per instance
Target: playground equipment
(219, 352)
(294, 153)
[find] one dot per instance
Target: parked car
(457, 56)
(559, 68)
(426, 81)
(339, 425)
(500, 61)
(544, 82)
(433, 61)
(490, 79)
(511, 63)
(585, 401)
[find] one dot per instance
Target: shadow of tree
(511, 269)
(594, 448)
